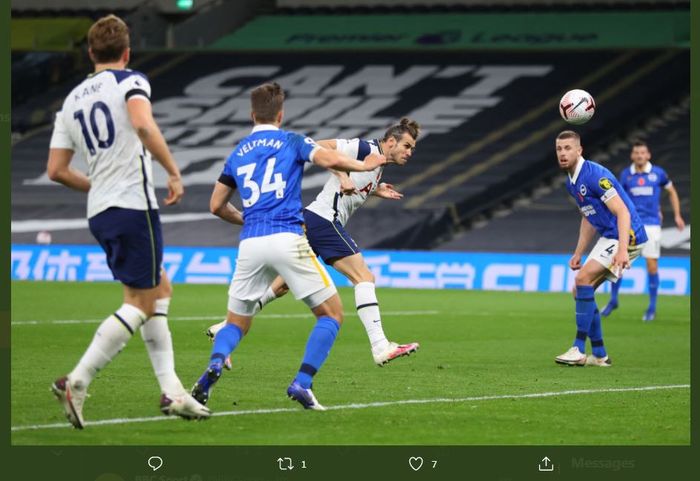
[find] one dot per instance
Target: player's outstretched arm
(141, 117)
(59, 170)
(220, 206)
(676, 206)
(328, 144)
(387, 191)
(347, 186)
(585, 235)
(332, 159)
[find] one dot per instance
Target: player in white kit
(107, 119)
(266, 168)
(325, 220)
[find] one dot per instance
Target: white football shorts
(652, 248)
(603, 252)
(261, 259)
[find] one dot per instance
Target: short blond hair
(108, 38)
(569, 134)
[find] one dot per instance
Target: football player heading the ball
(605, 209)
(266, 169)
(325, 220)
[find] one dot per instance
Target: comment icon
(155, 462)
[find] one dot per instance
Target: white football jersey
(332, 204)
(94, 121)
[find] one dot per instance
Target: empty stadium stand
(484, 164)
(489, 121)
(548, 220)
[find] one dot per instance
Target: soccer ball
(577, 106)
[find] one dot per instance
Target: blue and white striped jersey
(267, 167)
(644, 188)
(592, 185)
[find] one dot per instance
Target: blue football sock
(614, 289)
(318, 347)
(585, 308)
(596, 334)
(653, 290)
(225, 342)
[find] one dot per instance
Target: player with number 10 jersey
(94, 121)
(107, 119)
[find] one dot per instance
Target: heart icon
(416, 462)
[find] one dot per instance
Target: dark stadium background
(482, 190)
(514, 204)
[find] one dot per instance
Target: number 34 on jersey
(272, 182)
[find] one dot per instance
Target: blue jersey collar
(261, 127)
(577, 171)
(645, 170)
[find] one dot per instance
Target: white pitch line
(105, 422)
(221, 317)
(57, 225)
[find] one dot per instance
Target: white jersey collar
(646, 169)
(261, 127)
(379, 146)
(577, 171)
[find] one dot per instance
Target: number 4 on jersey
(268, 184)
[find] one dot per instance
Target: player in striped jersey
(266, 168)
(107, 119)
(608, 211)
(325, 220)
(644, 183)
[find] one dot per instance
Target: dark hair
(568, 134)
(405, 126)
(639, 143)
(108, 38)
(266, 102)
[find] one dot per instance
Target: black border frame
(224, 463)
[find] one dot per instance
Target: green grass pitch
(481, 354)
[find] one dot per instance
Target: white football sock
(268, 297)
(159, 343)
(368, 310)
(110, 338)
(217, 327)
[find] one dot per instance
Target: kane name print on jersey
(94, 122)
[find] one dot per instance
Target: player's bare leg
(588, 323)
(278, 288)
(355, 269)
